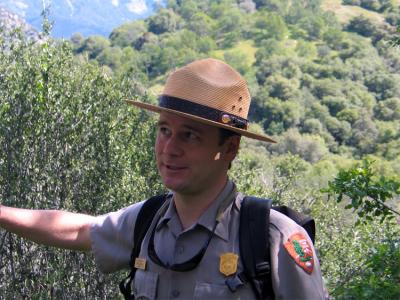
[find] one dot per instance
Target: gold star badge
(228, 263)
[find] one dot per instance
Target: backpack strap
(304, 221)
(142, 224)
(254, 245)
(254, 241)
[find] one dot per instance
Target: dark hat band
(202, 111)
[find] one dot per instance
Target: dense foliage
(380, 275)
(68, 142)
(367, 195)
(328, 90)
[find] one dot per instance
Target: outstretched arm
(49, 227)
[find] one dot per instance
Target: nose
(172, 146)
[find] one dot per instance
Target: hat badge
(225, 119)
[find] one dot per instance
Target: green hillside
(320, 73)
(345, 13)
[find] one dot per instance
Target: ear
(231, 148)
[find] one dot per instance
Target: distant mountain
(10, 21)
(88, 17)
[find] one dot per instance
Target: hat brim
(158, 109)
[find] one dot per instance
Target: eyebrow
(160, 123)
(186, 126)
(198, 130)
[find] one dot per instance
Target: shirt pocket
(145, 285)
(212, 291)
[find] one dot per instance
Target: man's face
(189, 156)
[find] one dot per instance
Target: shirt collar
(169, 214)
(207, 219)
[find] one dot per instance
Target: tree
(201, 24)
(352, 2)
(362, 25)
(272, 5)
(314, 25)
(312, 126)
(384, 85)
(68, 141)
(269, 26)
(278, 67)
(229, 27)
(111, 56)
(378, 276)
(309, 147)
(388, 110)
(367, 195)
(326, 87)
(340, 130)
(187, 8)
(278, 116)
(390, 150)
(247, 6)
(166, 20)
(282, 88)
(306, 49)
(93, 45)
(205, 44)
(364, 135)
(238, 60)
(128, 33)
(349, 115)
(388, 131)
(335, 104)
(334, 38)
(374, 5)
(77, 39)
(270, 50)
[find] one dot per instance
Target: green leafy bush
(68, 141)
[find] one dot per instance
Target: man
(202, 116)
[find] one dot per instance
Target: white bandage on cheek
(217, 156)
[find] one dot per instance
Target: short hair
(225, 134)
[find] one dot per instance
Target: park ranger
(192, 245)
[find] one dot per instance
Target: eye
(191, 136)
(163, 130)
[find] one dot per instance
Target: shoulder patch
(300, 250)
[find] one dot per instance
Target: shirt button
(175, 293)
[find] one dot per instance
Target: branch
(386, 206)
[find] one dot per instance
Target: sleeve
(112, 238)
(296, 272)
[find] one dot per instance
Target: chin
(173, 185)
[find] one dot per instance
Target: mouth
(174, 167)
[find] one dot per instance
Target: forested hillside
(325, 82)
(319, 85)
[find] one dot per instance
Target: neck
(191, 206)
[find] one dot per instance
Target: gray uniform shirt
(112, 244)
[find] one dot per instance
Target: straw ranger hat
(208, 91)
